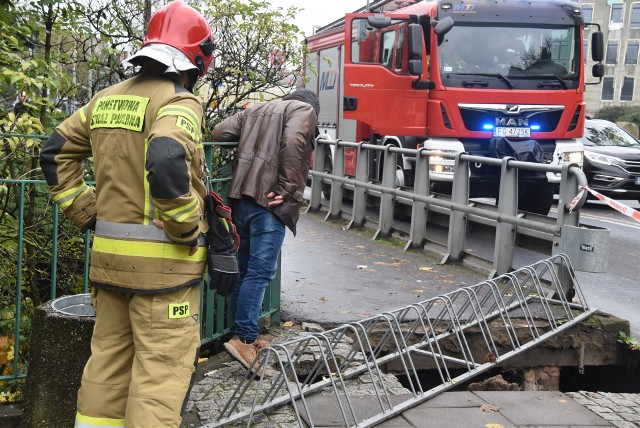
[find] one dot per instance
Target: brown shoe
(262, 343)
(245, 354)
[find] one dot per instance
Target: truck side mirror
(443, 26)
(415, 49)
(415, 67)
(415, 41)
(597, 46)
(598, 70)
(379, 21)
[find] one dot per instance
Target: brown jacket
(275, 142)
(145, 139)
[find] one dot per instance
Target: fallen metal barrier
(460, 334)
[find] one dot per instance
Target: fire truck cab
(485, 78)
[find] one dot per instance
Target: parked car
(611, 160)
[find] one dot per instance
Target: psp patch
(179, 310)
(188, 126)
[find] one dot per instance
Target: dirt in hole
(594, 378)
(600, 378)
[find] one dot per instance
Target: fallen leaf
(324, 299)
(493, 426)
(360, 246)
(211, 373)
(418, 291)
(428, 269)
(390, 264)
(490, 358)
(487, 407)
(288, 324)
(202, 359)
(4, 346)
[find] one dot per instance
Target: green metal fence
(14, 323)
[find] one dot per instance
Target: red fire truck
(487, 78)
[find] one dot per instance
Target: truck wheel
(408, 177)
(400, 182)
(537, 199)
(404, 179)
(326, 187)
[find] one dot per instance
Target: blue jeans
(261, 237)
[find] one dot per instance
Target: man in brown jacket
(275, 142)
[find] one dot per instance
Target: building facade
(619, 21)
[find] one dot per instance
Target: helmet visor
(175, 60)
(207, 47)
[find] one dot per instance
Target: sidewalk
(331, 276)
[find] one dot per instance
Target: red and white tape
(628, 211)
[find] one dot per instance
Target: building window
(635, 15)
(607, 89)
(632, 52)
(612, 52)
(616, 13)
(587, 14)
(585, 44)
(626, 94)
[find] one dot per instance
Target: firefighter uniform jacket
(144, 135)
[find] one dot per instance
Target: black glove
(222, 244)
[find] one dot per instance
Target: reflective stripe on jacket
(144, 135)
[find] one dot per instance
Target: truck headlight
(440, 164)
(572, 157)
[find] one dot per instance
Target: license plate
(638, 181)
(504, 131)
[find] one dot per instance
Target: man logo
(512, 121)
(513, 109)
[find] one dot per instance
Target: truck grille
(475, 119)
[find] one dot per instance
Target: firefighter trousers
(144, 351)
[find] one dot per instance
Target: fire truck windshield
(510, 57)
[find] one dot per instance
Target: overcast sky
(319, 12)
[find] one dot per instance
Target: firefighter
(147, 211)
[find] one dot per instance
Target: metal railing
(456, 336)
(505, 217)
(217, 315)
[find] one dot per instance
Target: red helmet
(179, 25)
